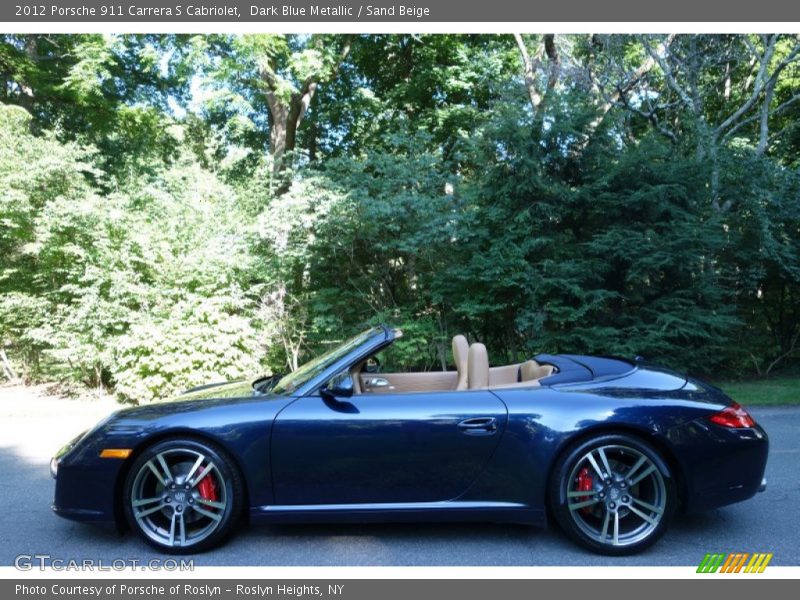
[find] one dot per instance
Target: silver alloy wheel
(166, 502)
(616, 495)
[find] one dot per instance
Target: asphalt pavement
(770, 522)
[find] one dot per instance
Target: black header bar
(413, 11)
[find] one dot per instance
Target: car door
(384, 448)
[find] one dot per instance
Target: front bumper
(85, 484)
(86, 495)
(81, 514)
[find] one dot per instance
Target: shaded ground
(33, 426)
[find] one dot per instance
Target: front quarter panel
(87, 485)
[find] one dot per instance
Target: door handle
(478, 426)
(376, 382)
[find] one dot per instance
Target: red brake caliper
(583, 483)
(207, 488)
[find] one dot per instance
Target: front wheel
(613, 494)
(183, 496)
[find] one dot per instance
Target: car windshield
(289, 383)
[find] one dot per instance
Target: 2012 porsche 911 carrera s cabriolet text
(608, 448)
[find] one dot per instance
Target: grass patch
(778, 391)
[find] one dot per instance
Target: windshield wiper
(266, 383)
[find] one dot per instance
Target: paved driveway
(33, 426)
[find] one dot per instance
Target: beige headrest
(531, 370)
(460, 354)
(478, 367)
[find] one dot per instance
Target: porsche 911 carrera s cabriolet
(608, 448)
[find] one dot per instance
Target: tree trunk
(532, 64)
(8, 370)
(763, 126)
(287, 116)
(278, 135)
(27, 96)
(529, 72)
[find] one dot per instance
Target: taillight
(733, 416)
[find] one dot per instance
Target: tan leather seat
(460, 356)
(478, 367)
(531, 370)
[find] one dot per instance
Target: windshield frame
(312, 374)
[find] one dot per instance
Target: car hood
(224, 389)
(208, 397)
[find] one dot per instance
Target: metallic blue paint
(382, 448)
(308, 458)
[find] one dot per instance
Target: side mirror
(339, 386)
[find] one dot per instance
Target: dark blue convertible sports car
(608, 448)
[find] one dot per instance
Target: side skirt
(430, 512)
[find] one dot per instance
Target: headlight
(54, 462)
(64, 449)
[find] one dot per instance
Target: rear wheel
(183, 496)
(613, 494)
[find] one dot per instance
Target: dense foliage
(176, 210)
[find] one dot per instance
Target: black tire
(175, 512)
(591, 511)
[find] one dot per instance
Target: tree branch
(758, 87)
(743, 123)
(669, 76)
(651, 116)
(784, 355)
(621, 89)
(302, 101)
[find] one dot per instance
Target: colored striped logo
(735, 562)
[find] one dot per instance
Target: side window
(406, 356)
(386, 361)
